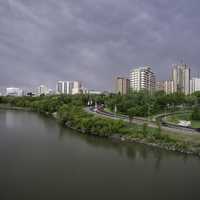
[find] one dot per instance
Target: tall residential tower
(69, 87)
(143, 78)
(194, 85)
(181, 78)
(122, 85)
(64, 87)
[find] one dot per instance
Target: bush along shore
(78, 119)
(69, 111)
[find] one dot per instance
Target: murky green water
(39, 160)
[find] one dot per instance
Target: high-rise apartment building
(64, 87)
(181, 78)
(42, 90)
(169, 87)
(60, 88)
(160, 85)
(165, 86)
(142, 78)
(69, 87)
(122, 85)
(77, 87)
(194, 85)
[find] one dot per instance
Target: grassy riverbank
(175, 119)
(70, 113)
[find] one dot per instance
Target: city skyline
(38, 47)
(127, 76)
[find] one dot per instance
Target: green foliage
(145, 129)
(140, 104)
(132, 112)
(77, 118)
(195, 113)
(143, 104)
(48, 104)
(159, 127)
(70, 112)
(197, 96)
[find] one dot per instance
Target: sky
(43, 41)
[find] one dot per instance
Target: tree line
(70, 112)
(140, 104)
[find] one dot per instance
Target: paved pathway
(140, 121)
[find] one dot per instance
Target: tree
(132, 112)
(145, 129)
(195, 113)
(159, 127)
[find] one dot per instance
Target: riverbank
(177, 142)
(179, 148)
(9, 107)
(35, 147)
(91, 125)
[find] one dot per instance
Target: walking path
(140, 121)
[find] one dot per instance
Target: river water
(40, 160)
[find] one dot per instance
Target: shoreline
(127, 139)
(114, 137)
(8, 107)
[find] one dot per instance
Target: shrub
(195, 113)
(145, 129)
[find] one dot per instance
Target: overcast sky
(43, 41)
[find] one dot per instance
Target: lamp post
(115, 110)
(148, 112)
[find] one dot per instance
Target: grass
(188, 141)
(181, 140)
(188, 138)
(184, 116)
(195, 124)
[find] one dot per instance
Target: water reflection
(41, 155)
(49, 125)
(10, 119)
(132, 151)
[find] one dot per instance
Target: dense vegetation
(135, 104)
(49, 104)
(142, 104)
(70, 112)
(77, 118)
(195, 113)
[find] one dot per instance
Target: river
(40, 160)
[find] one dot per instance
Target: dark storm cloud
(42, 41)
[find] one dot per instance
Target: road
(140, 121)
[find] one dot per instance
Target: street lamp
(115, 110)
(148, 111)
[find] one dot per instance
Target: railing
(176, 126)
(100, 110)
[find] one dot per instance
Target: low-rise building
(95, 92)
(14, 91)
